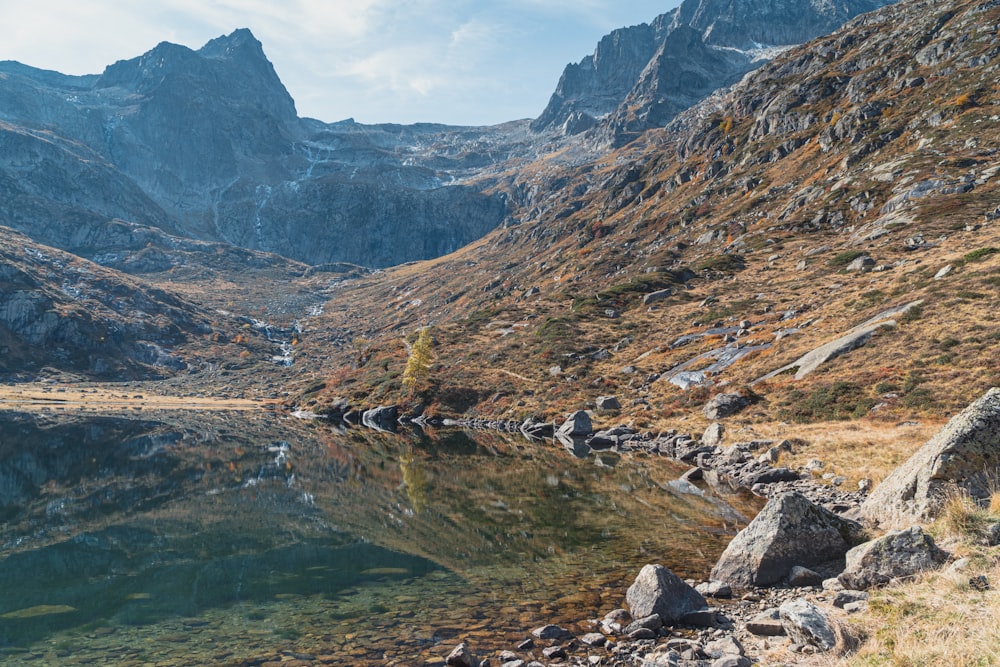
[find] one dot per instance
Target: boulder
(657, 590)
(608, 403)
(805, 623)
(901, 553)
(577, 424)
(789, 531)
(963, 454)
(864, 263)
(713, 435)
(724, 405)
(461, 656)
(382, 418)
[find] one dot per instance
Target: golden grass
(939, 619)
(856, 450)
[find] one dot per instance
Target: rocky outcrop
(895, 555)
(964, 455)
(659, 591)
(790, 530)
(641, 77)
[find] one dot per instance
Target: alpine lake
(252, 538)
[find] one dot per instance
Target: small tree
(418, 366)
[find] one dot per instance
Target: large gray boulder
(790, 530)
(965, 453)
(901, 553)
(657, 590)
(577, 424)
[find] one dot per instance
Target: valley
(796, 207)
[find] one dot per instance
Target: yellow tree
(418, 366)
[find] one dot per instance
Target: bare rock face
(962, 454)
(789, 531)
(642, 76)
(659, 591)
(896, 554)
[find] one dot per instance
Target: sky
(463, 62)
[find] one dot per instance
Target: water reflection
(283, 535)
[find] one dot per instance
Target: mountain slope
(747, 210)
(207, 144)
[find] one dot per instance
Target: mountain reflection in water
(231, 538)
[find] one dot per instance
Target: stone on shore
(901, 553)
(713, 435)
(962, 454)
(789, 531)
(657, 590)
(806, 623)
(577, 424)
(608, 404)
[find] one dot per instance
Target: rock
(701, 618)
(461, 656)
(657, 590)
(770, 457)
(712, 437)
(896, 554)
(732, 661)
(577, 424)
(725, 646)
(654, 297)
(550, 632)
(652, 622)
(664, 659)
(382, 418)
(593, 639)
(555, 371)
(805, 623)
(608, 403)
(846, 597)
(766, 624)
(554, 653)
(724, 405)
(991, 536)
(961, 454)
(801, 577)
(641, 633)
(864, 263)
(715, 589)
(944, 271)
(790, 530)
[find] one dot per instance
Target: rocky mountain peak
(625, 84)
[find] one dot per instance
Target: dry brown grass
(856, 449)
(939, 619)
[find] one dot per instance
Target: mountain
(837, 205)
(641, 77)
(207, 144)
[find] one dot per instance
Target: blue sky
(463, 62)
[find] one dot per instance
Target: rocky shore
(787, 582)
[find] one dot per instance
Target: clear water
(247, 539)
